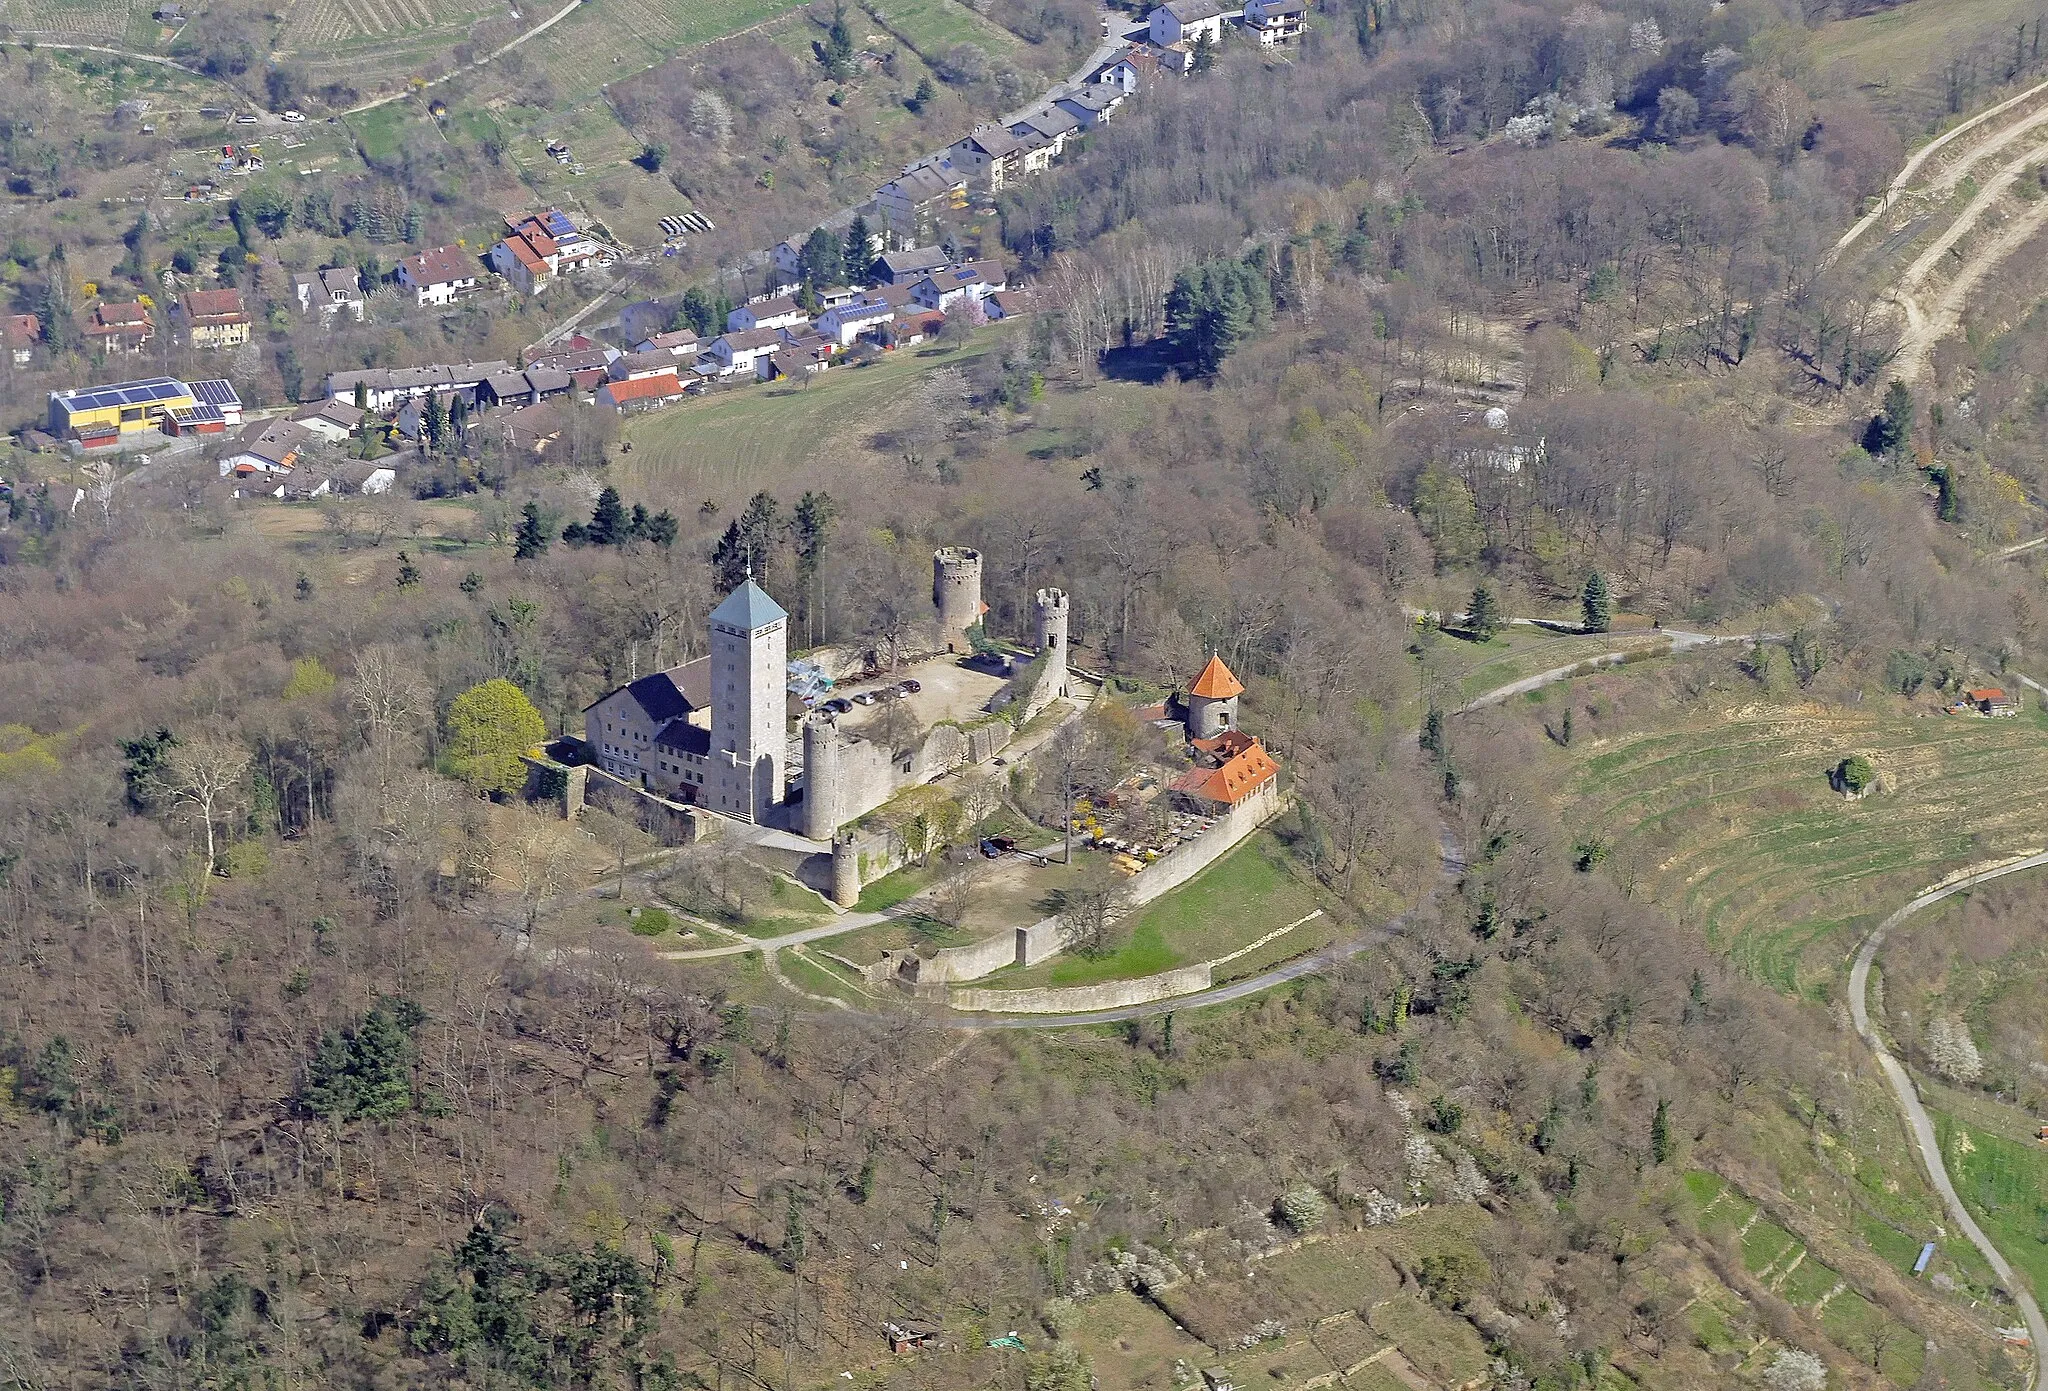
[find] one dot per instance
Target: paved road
(1916, 1114)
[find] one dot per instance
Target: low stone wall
(570, 788)
(1081, 999)
(1027, 946)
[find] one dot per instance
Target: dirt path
(1917, 1120)
(541, 28)
(1929, 323)
(1911, 169)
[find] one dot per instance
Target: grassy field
(2003, 1178)
(932, 27)
(1896, 55)
(751, 436)
(1248, 893)
(1730, 820)
(1452, 670)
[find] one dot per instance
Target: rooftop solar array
(558, 224)
(142, 393)
(197, 415)
(216, 393)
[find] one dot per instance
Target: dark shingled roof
(673, 694)
(684, 737)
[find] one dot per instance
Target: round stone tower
(845, 871)
(824, 769)
(1052, 637)
(956, 594)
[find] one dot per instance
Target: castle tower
(1212, 700)
(956, 594)
(749, 724)
(824, 772)
(1052, 636)
(845, 871)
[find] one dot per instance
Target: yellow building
(96, 415)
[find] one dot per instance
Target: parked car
(911, 686)
(995, 847)
(866, 698)
(839, 705)
(247, 118)
(294, 116)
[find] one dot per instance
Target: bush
(1302, 1208)
(651, 922)
(1854, 773)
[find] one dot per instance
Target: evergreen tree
(661, 528)
(924, 96)
(695, 311)
(637, 527)
(857, 255)
(530, 541)
(1891, 430)
(1205, 52)
(835, 52)
(1213, 307)
(1597, 604)
(1482, 615)
(436, 424)
(747, 543)
(1661, 1144)
(408, 573)
(608, 521)
(824, 259)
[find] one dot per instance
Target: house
(631, 366)
(331, 420)
(575, 249)
(644, 318)
(920, 195)
(266, 447)
(788, 260)
(1186, 21)
(841, 326)
(737, 352)
(907, 267)
(436, 276)
(1992, 700)
(910, 329)
(505, 389)
(367, 478)
(1092, 105)
(681, 343)
(780, 312)
(329, 291)
(526, 259)
(546, 383)
(1050, 125)
(586, 367)
(1007, 304)
(621, 727)
(943, 289)
(804, 358)
(385, 387)
(214, 318)
(100, 415)
(304, 483)
(835, 296)
(1228, 769)
(641, 393)
(1275, 22)
(993, 156)
(23, 332)
(118, 328)
(682, 757)
(1137, 67)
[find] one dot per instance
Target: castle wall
(1080, 999)
(846, 777)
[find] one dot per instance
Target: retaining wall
(1079, 999)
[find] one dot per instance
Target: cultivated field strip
(1736, 827)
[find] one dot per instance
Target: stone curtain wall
(1082, 998)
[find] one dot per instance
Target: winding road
(1917, 1119)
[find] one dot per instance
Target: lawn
(1452, 670)
(2004, 1182)
(1130, 1345)
(1248, 893)
(1731, 823)
(933, 27)
(1896, 55)
(750, 437)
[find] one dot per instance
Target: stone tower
(749, 724)
(1212, 700)
(956, 595)
(1052, 638)
(824, 775)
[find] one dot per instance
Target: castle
(714, 732)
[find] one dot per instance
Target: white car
(247, 118)
(294, 116)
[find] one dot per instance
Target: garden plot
(70, 21)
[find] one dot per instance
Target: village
(900, 289)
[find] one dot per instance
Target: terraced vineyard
(1734, 825)
(70, 21)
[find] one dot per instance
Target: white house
(329, 291)
(1275, 22)
(843, 325)
(788, 260)
(920, 193)
(1092, 105)
(367, 478)
(780, 312)
(266, 447)
(738, 352)
(1186, 21)
(332, 420)
(385, 387)
(436, 276)
(681, 343)
(992, 156)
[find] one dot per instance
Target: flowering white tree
(1796, 1370)
(1951, 1049)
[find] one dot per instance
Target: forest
(304, 1082)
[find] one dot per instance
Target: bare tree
(203, 776)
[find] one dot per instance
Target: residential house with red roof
(23, 333)
(438, 275)
(641, 393)
(214, 318)
(118, 328)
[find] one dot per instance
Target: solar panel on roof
(216, 392)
